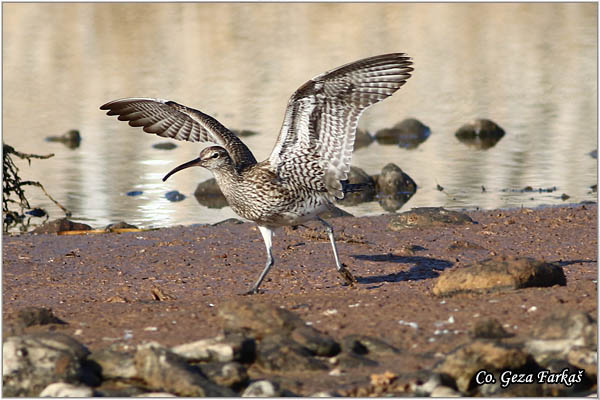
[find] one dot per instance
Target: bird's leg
(267, 235)
(341, 268)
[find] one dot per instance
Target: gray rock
(557, 334)
(394, 187)
(164, 146)
(490, 328)
(335, 212)
(209, 194)
(258, 318)
(30, 316)
(359, 188)
(363, 344)
(480, 133)
(244, 132)
(71, 139)
(277, 353)
(408, 133)
(363, 139)
(428, 216)
(114, 364)
(32, 362)
(499, 273)
(175, 196)
(586, 359)
(230, 374)
(61, 389)
(262, 388)
(119, 225)
(315, 341)
(220, 348)
(60, 225)
(164, 370)
(466, 360)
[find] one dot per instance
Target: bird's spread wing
(314, 147)
(172, 120)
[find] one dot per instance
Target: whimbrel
(311, 157)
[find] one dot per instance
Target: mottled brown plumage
(311, 156)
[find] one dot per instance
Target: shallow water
(532, 68)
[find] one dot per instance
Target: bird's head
(212, 158)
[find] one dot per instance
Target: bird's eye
(215, 155)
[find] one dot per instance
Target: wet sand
(105, 286)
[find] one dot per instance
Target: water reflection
(531, 67)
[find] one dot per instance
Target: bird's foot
(250, 292)
(347, 275)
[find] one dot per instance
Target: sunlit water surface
(532, 68)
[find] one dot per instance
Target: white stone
(260, 389)
(212, 349)
(61, 389)
(444, 391)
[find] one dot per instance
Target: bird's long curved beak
(195, 162)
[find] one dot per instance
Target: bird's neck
(226, 175)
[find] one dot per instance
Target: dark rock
(467, 360)
(277, 352)
(428, 216)
(408, 133)
(363, 139)
(593, 153)
(353, 360)
(359, 188)
(134, 193)
(30, 316)
(490, 328)
(71, 139)
(480, 133)
(244, 132)
(558, 333)
(174, 196)
(262, 319)
(499, 273)
(163, 370)
(36, 212)
(394, 187)
(164, 146)
(556, 366)
(258, 319)
(335, 212)
(564, 197)
(284, 340)
(61, 225)
(363, 344)
(585, 358)
(119, 225)
(315, 341)
(229, 374)
(229, 221)
(209, 194)
(32, 362)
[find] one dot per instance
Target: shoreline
(171, 284)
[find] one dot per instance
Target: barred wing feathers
(315, 144)
(169, 119)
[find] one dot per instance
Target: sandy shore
(105, 285)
